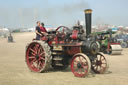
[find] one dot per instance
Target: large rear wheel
(80, 65)
(38, 56)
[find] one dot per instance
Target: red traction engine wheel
(38, 56)
(80, 65)
(100, 64)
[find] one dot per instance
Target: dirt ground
(14, 71)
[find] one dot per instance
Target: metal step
(57, 50)
(57, 58)
(56, 53)
(59, 64)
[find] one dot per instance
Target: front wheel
(80, 65)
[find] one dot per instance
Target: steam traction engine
(63, 47)
(108, 44)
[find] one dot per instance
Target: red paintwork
(74, 34)
(61, 42)
(74, 50)
(115, 43)
(55, 40)
(44, 38)
(50, 42)
(108, 48)
(109, 44)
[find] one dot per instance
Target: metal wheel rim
(82, 71)
(99, 65)
(33, 51)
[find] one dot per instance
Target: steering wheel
(61, 33)
(63, 29)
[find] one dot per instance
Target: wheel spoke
(81, 62)
(80, 71)
(43, 58)
(76, 70)
(80, 59)
(96, 68)
(97, 58)
(33, 54)
(39, 50)
(104, 63)
(31, 57)
(38, 65)
(93, 65)
(75, 62)
(33, 61)
(36, 61)
(42, 54)
(33, 51)
(102, 67)
(42, 63)
(103, 59)
(85, 67)
(75, 66)
(93, 62)
(36, 47)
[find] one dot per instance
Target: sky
(25, 13)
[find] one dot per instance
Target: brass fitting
(88, 11)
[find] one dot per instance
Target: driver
(37, 30)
